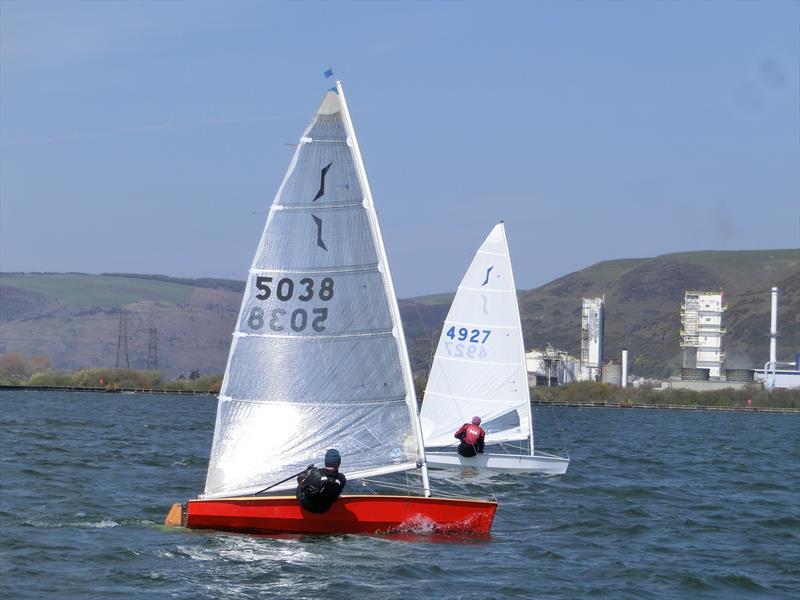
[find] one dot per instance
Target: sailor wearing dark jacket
(317, 488)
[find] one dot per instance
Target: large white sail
(318, 358)
(479, 366)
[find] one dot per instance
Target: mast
(395, 311)
(521, 340)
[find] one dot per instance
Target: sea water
(655, 504)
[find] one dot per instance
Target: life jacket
(320, 489)
(472, 434)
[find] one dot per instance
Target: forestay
(318, 358)
(479, 366)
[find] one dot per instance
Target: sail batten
(317, 359)
(479, 365)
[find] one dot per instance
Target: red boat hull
(351, 514)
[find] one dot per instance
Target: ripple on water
(656, 504)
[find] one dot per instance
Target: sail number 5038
(298, 320)
(285, 288)
(279, 319)
(475, 336)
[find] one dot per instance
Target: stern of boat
(176, 517)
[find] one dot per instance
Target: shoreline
(99, 390)
(768, 409)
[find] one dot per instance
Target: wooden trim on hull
(351, 514)
(548, 465)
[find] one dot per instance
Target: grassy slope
(77, 289)
(643, 298)
(73, 318)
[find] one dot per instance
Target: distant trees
(18, 369)
(17, 366)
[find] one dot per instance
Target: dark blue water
(656, 504)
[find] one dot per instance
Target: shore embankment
(768, 409)
(535, 400)
(107, 390)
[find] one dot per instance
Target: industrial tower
(592, 323)
(702, 331)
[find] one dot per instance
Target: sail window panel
(510, 420)
(324, 174)
(443, 416)
(260, 444)
(313, 305)
(483, 310)
(317, 239)
(344, 370)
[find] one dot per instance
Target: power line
(122, 342)
(152, 349)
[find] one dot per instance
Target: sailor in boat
(318, 489)
(472, 438)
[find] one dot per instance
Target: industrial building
(551, 367)
(778, 374)
(592, 324)
(702, 331)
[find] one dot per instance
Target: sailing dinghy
(318, 360)
(479, 370)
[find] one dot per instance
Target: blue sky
(151, 137)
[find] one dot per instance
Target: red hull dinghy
(350, 514)
(319, 360)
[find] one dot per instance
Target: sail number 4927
(475, 336)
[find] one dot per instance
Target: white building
(592, 322)
(702, 331)
(550, 367)
(781, 378)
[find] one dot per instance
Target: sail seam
(471, 398)
(467, 360)
(388, 400)
(308, 140)
(238, 334)
(478, 289)
(365, 269)
(319, 208)
(490, 252)
(484, 325)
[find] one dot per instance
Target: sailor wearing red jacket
(471, 436)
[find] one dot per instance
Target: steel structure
(592, 324)
(123, 361)
(702, 330)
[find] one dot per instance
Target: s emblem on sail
(321, 191)
(318, 221)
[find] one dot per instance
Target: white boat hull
(538, 463)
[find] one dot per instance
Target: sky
(151, 137)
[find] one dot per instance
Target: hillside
(74, 318)
(643, 298)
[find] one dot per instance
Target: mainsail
(318, 358)
(479, 366)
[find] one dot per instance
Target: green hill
(74, 318)
(643, 298)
